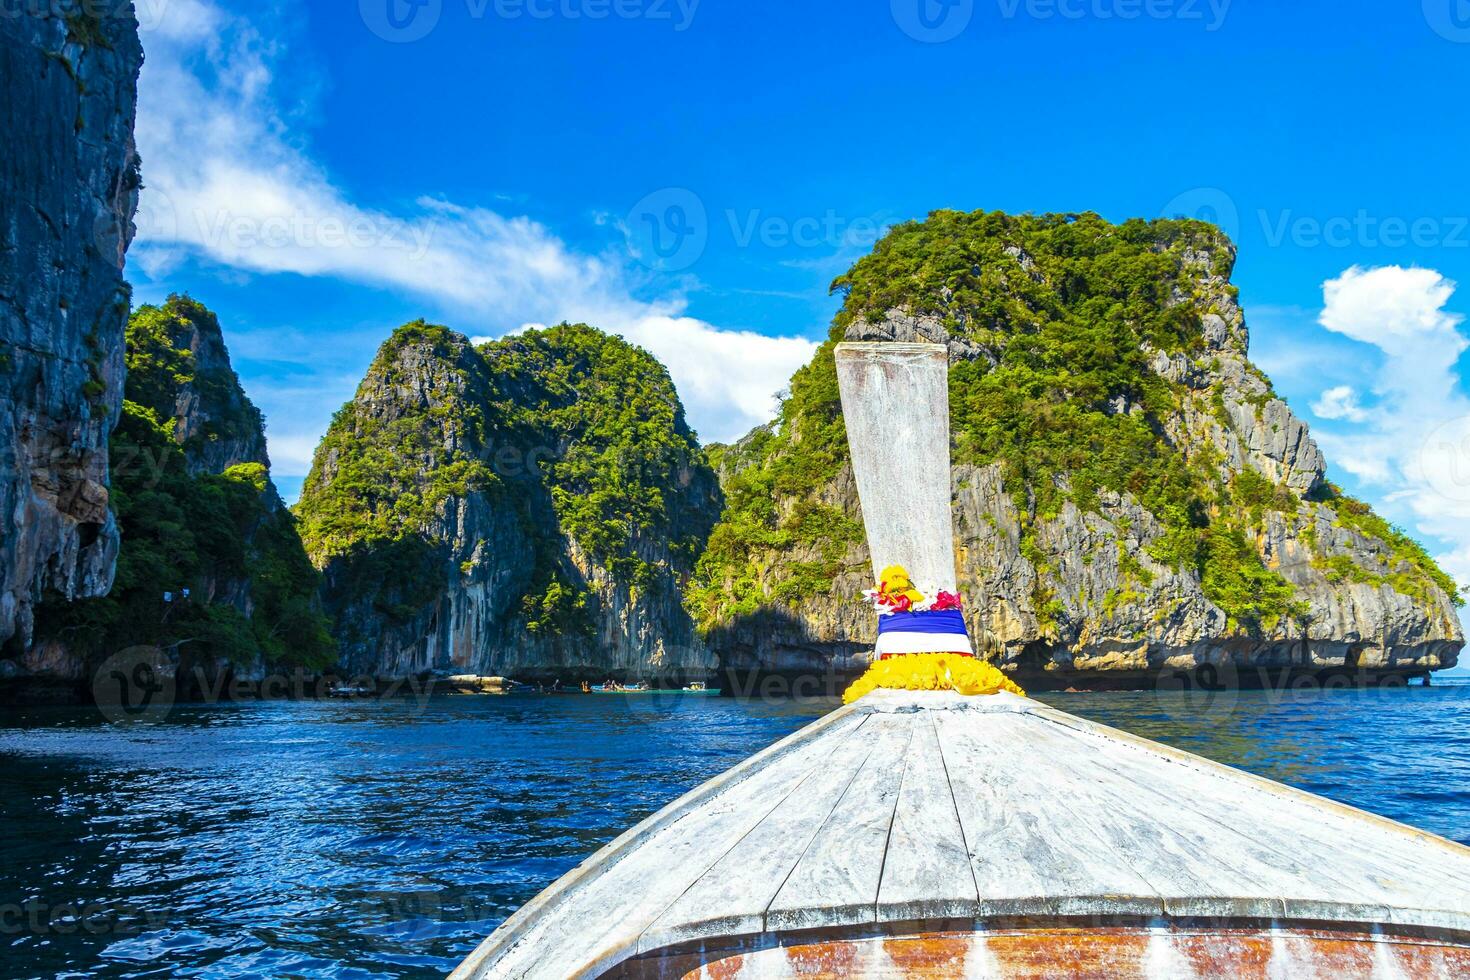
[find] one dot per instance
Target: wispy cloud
(1412, 443)
(229, 181)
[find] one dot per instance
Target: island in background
(1131, 498)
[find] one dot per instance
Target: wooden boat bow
(931, 834)
(992, 828)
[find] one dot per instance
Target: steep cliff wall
(530, 507)
(197, 512)
(178, 368)
(68, 190)
(1130, 495)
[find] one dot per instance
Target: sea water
(386, 838)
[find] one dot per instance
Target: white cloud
(227, 182)
(1414, 444)
(1398, 310)
(1340, 403)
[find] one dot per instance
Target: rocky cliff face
(178, 357)
(68, 190)
(198, 514)
(530, 507)
(1130, 495)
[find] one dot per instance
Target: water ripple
(386, 839)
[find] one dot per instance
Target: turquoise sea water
(386, 838)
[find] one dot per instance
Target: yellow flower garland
(931, 672)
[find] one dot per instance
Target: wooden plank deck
(932, 806)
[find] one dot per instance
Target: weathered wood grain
(926, 868)
(1312, 840)
(925, 805)
(611, 899)
(835, 883)
(1178, 854)
(731, 898)
(1033, 854)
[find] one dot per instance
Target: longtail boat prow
(942, 824)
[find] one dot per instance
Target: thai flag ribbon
(932, 631)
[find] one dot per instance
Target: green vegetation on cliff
(793, 459)
(380, 475)
(225, 537)
(574, 433)
(610, 436)
(1412, 571)
(1062, 314)
(161, 363)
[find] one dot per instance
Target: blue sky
(322, 172)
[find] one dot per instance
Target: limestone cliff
(1130, 494)
(179, 368)
(68, 191)
(198, 514)
(528, 507)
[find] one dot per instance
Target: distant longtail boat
(935, 833)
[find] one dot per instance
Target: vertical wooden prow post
(895, 401)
